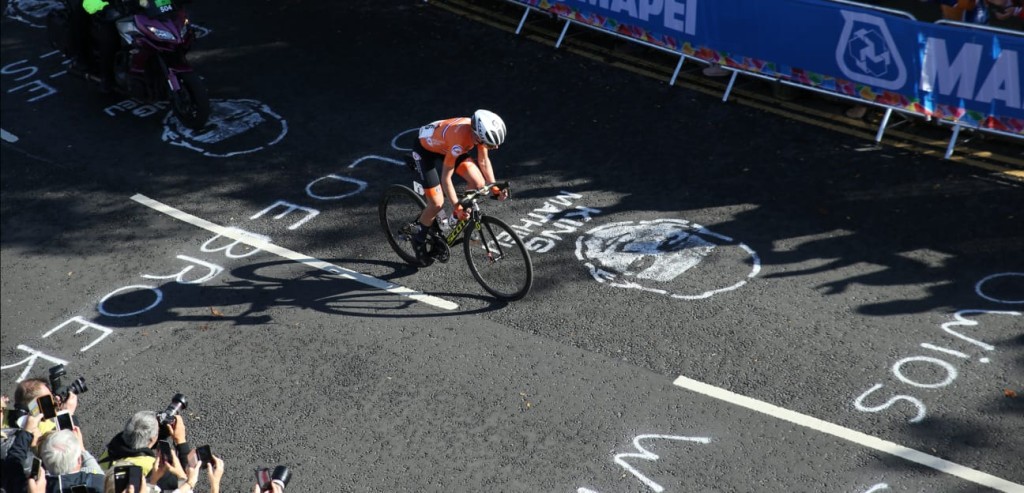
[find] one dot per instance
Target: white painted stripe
(248, 239)
(857, 437)
(9, 137)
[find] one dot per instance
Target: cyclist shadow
(253, 291)
(396, 271)
(337, 294)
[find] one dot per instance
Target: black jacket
(64, 482)
(17, 462)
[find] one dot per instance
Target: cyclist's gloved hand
(93, 6)
(498, 193)
(460, 213)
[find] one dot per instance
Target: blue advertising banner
(949, 72)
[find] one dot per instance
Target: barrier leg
(728, 88)
(885, 122)
(675, 74)
(952, 140)
(522, 21)
(562, 36)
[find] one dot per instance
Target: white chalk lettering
(981, 292)
(229, 248)
(31, 361)
(645, 454)
(962, 321)
(84, 324)
(289, 208)
(360, 185)
(951, 374)
(539, 244)
(213, 270)
(922, 411)
(158, 296)
(583, 212)
(28, 72)
(33, 87)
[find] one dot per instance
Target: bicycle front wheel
(498, 259)
(397, 208)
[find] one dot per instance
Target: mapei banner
(950, 72)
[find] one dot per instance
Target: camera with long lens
(265, 479)
(77, 386)
(282, 475)
(168, 416)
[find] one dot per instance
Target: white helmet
(488, 127)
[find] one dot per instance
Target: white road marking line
(857, 437)
(7, 136)
(241, 237)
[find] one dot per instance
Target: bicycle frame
(453, 235)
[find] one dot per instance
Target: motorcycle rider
(84, 24)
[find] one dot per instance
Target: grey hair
(140, 430)
(61, 453)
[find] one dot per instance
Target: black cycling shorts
(428, 164)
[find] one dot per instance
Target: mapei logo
(866, 52)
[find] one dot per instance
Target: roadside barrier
(956, 74)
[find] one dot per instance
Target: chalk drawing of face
(656, 256)
(236, 126)
(31, 12)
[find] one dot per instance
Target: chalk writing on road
(29, 80)
(644, 454)
(936, 365)
(984, 287)
(544, 227)
(236, 126)
(673, 257)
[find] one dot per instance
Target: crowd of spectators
(43, 450)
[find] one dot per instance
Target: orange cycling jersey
(451, 138)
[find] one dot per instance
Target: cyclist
(446, 147)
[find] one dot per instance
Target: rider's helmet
(488, 127)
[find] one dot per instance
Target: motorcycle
(150, 65)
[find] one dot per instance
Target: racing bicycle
(496, 255)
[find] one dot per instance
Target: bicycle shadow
(252, 292)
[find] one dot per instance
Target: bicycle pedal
(441, 252)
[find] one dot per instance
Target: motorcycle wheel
(191, 103)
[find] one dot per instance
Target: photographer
(135, 443)
(25, 396)
(68, 462)
(17, 464)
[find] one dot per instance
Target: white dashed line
(254, 242)
(857, 437)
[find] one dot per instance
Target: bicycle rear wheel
(498, 259)
(397, 208)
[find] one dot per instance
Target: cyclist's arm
(446, 181)
(484, 163)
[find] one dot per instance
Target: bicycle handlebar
(472, 195)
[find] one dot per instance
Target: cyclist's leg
(470, 172)
(426, 164)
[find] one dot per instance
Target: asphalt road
(672, 235)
